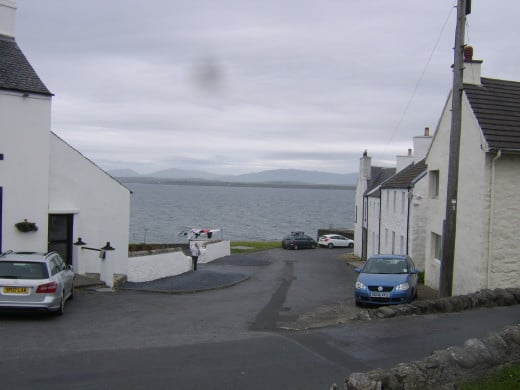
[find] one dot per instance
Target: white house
(47, 182)
(369, 179)
(394, 214)
(487, 249)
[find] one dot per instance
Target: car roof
(401, 257)
(25, 256)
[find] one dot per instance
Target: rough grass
(253, 246)
(506, 379)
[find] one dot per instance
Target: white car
(335, 240)
(35, 281)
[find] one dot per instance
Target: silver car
(35, 281)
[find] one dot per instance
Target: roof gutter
(491, 214)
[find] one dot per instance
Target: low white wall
(163, 264)
(212, 250)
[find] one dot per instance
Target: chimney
(7, 17)
(365, 166)
(421, 145)
(472, 68)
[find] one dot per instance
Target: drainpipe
(491, 213)
(379, 229)
(410, 195)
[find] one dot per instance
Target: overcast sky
(238, 86)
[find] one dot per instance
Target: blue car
(386, 280)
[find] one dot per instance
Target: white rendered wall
(394, 220)
(472, 209)
(373, 226)
(437, 159)
(505, 247)
(152, 267)
(418, 220)
(7, 17)
(100, 204)
(24, 172)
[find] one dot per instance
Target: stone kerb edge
(446, 369)
(454, 365)
(482, 298)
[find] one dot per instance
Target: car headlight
(360, 286)
(402, 287)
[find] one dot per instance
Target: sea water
(160, 211)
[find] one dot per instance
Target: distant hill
(298, 176)
(286, 176)
(123, 173)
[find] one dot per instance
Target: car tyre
(61, 309)
(351, 245)
(296, 247)
(313, 246)
(330, 246)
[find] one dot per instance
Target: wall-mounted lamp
(107, 247)
(79, 242)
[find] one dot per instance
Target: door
(60, 235)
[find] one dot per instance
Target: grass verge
(506, 379)
(252, 246)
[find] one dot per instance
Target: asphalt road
(230, 338)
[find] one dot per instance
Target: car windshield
(23, 270)
(385, 266)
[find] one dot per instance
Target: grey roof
(16, 73)
(378, 176)
(407, 177)
(496, 104)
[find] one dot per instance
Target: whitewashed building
(46, 183)
(487, 249)
(366, 214)
(394, 214)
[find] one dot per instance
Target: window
(434, 184)
(401, 246)
(403, 201)
(393, 242)
(395, 199)
(436, 246)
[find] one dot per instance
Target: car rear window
(23, 270)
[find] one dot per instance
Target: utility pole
(450, 222)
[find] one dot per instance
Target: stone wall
(447, 368)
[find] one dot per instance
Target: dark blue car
(386, 280)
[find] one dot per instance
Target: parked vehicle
(35, 281)
(298, 241)
(386, 280)
(335, 240)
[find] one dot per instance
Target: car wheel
(330, 246)
(61, 309)
(71, 296)
(351, 245)
(313, 246)
(296, 247)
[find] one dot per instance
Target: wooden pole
(450, 222)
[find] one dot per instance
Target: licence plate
(16, 290)
(380, 295)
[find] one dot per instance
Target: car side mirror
(414, 272)
(358, 270)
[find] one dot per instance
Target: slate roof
(496, 105)
(407, 177)
(378, 176)
(16, 73)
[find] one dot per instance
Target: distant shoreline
(187, 182)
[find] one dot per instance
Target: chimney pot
(426, 131)
(409, 152)
(468, 53)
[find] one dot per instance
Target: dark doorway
(60, 235)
